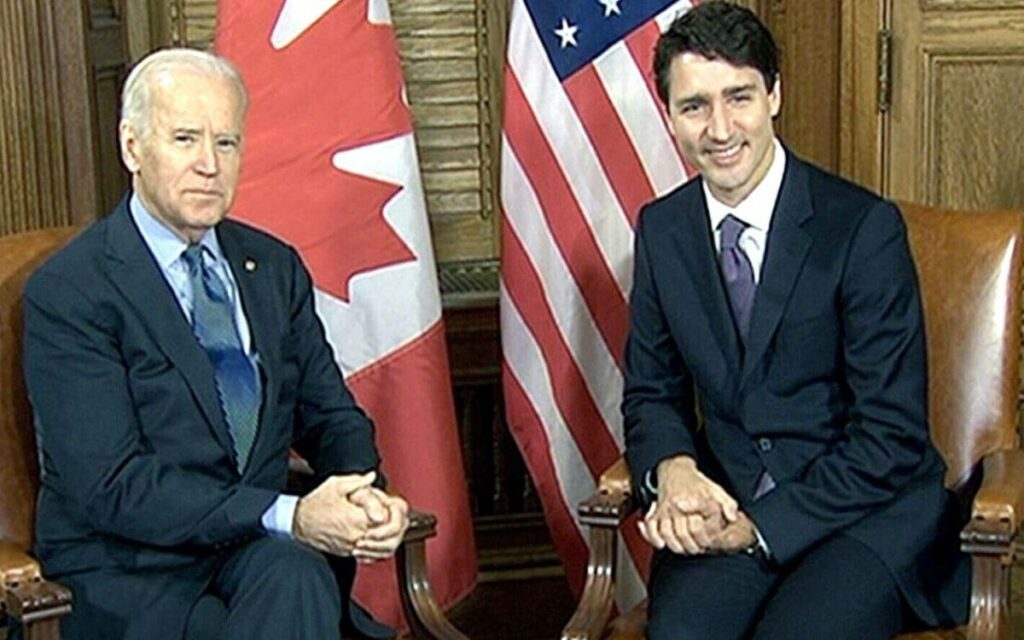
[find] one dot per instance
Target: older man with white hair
(173, 357)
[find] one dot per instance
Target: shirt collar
(756, 209)
(165, 245)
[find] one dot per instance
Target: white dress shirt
(755, 211)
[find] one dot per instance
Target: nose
(719, 124)
(206, 162)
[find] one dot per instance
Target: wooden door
(953, 135)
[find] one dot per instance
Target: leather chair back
(20, 254)
(972, 309)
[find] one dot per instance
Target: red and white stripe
(579, 158)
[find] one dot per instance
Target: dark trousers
(278, 588)
(840, 590)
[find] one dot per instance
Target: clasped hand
(693, 514)
(347, 515)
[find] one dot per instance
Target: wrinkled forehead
(191, 94)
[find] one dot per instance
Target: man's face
(721, 116)
(185, 164)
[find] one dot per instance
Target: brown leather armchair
(38, 603)
(969, 266)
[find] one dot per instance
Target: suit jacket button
(765, 444)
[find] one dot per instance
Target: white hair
(137, 94)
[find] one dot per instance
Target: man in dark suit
(775, 398)
(173, 358)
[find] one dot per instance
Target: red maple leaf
(338, 86)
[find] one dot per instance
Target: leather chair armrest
(26, 596)
(604, 512)
(998, 507)
(16, 565)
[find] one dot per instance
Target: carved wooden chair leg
(595, 607)
(991, 541)
(426, 620)
(990, 602)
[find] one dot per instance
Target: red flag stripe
(550, 436)
(529, 433)
(574, 401)
(641, 45)
(612, 143)
(626, 86)
(604, 300)
(598, 365)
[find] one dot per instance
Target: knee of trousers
(293, 568)
(666, 626)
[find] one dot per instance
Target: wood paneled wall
(33, 183)
(61, 66)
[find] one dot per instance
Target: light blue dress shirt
(166, 248)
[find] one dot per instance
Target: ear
(130, 146)
(775, 96)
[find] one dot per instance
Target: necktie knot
(732, 228)
(737, 273)
(192, 256)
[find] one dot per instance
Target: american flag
(585, 144)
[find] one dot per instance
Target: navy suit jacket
(829, 394)
(138, 472)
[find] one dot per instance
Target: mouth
(725, 155)
(204, 193)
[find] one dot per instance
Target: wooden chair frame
(991, 537)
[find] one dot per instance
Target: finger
(390, 528)
(351, 482)
(644, 533)
(669, 533)
(681, 528)
(689, 503)
(730, 508)
(698, 531)
(385, 546)
(653, 531)
(372, 555)
(370, 501)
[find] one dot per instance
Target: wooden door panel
(955, 134)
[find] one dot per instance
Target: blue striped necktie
(213, 323)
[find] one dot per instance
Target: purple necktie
(737, 272)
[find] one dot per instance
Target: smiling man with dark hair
(776, 395)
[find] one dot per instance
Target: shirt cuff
(652, 490)
(278, 517)
(761, 543)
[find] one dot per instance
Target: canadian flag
(330, 166)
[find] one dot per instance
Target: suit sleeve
(658, 398)
(886, 437)
(332, 433)
(95, 456)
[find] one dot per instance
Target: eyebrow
(743, 88)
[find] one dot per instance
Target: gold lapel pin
(250, 265)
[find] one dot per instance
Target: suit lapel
(788, 244)
(132, 269)
(698, 254)
(252, 276)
